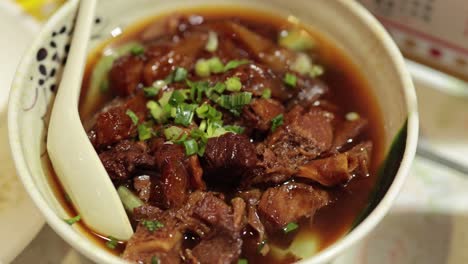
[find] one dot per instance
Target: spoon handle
(78, 52)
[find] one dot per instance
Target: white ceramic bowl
(344, 22)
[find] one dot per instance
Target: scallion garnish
(151, 91)
(112, 242)
(173, 133)
(152, 225)
(156, 111)
(177, 97)
(235, 102)
(216, 65)
(290, 227)
(132, 116)
(73, 220)
(202, 68)
(155, 260)
(212, 43)
(137, 50)
(219, 87)
(180, 74)
(266, 94)
(276, 122)
(164, 100)
(191, 147)
(242, 261)
(234, 129)
(144, 132)
(233, 84)
(234, 64)
(261, 247)
(184, 114)
(290, 79)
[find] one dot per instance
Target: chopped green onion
(184, 114)
(73, 220)
(152, 225)
(302, 64)
(235, 102)
(290, 227)
(219, 87)
(112, 242)
(352, 116)
(242, 261)
(296, 39)
(180, 74)
(198, 134)
(233, 84)
(144, 132)
(177, 97)
(173, 133)
(207, 111)
(156, 111)
(266, 94)
(155, 260)
(234, 129)
(234, 64)
(316, 71)
(216, 65)
(151, 91)
(212, 43)
(203, 125)
(138, 50)
(276, 122)
(164, 100)
(129, 199)
(201, 148)
(196, 90)
(290, 79)
(132, 116)
(191, 147)
(202, 68)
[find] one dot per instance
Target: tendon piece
(339, 168)
(289, 203)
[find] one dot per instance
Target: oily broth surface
(349, 89)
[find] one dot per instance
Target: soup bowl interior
(343, 22)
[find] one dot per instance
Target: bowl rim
(95, 253)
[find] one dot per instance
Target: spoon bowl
(74, 159)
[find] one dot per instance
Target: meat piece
(217, 213)
(114, 124)
(196, 171)
(163, 244)
(227, 157)
(221, 249)
(347, 131)
(290, 203)
(125, 74)
(259, 113)
(310, 90)
(303, 137)
(147, 212)
(339, 168)
(264, 49)
(122, 160)
(142, 184)
(173, 187)
(255, 78)
(162, 59)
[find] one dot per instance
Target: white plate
(20, 221)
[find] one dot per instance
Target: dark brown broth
(350, 92)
